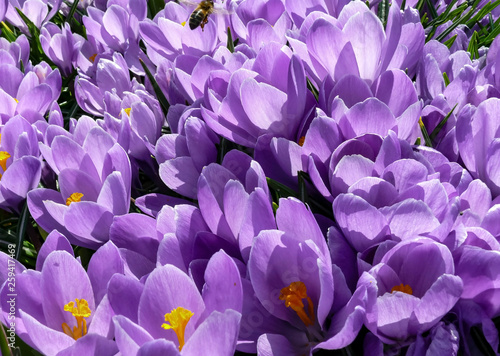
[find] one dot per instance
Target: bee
(199, 16)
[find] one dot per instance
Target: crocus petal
(63, 280)
(45, 339)
(129, 336)
(217, 333)
(167, 288)
(222, 275)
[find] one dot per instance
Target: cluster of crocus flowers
(258, 185)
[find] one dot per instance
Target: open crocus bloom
(56, 309)
(415, 287)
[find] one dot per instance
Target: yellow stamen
(80, 311)
(4, 156)
(74, 198)
(92, 57)
(301, 141)
(127, 111)
(178, 319)
(17, 101)
(293, 295)
(183, 23)
(405, 288)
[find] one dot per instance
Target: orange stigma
(293, 295)
(80, 311)
(4, 156)
(74, 198)
(178, 319)
(405, 288)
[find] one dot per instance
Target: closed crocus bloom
(356, 43)
(29, 94)
(478, 142)
(56, 310)
(234, 200)
(175, 318)
(411, 296)
(16, 52)
(19, 162)
(271, 98)
(182, 156)
(37, 11)
(112, 74)
(61, 46)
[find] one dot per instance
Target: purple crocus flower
(117, 28)
(94, 178)
(61, 46)
(293, 278)
(56, 309)
(442, 339)
(477, 136)
(271, 98)
(298, 10)
(166, 37)
(16, 52)
(29, 94)
(20, 163)
(259, 22)
(35, 10)
(135, 121)
(112, 76)
(356, 43)
(234, 200)
(410, 297)
(174, 317)
(182, 156)
(3, 8)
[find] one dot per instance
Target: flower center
(301, 141)
(4, 156)
(74, 198)
(80, 311)
(178, 319)
(293, 295)
(92, 57)
(405, 288)
(127, 111)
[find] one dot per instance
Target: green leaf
(427, 139)
(383, 11)
(281, 189)
(154, 7)
(159, 94)
(441, 124)
(4, 343)
(313, 89)
(302, 186)
(432, 9)
(472, 48)
(446, 79)
(230, 43)
(72, 11)
(450, 42)
(7, 32)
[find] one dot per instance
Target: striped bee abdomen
(196, 18)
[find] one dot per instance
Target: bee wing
(221, 11)
(191, 3)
